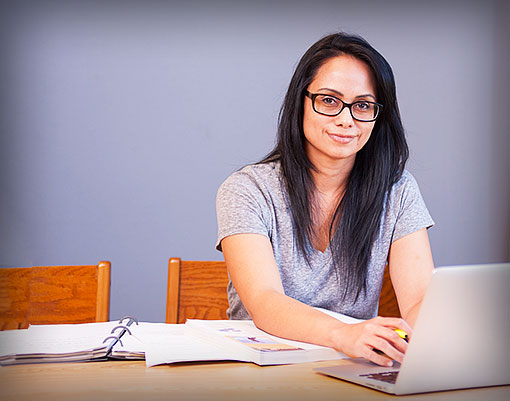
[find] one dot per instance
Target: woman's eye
(329, 101)
(363, 106)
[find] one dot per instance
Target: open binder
(121, 329)
(71, 343)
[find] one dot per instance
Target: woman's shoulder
(261, 170)
(260, 173)
(405, 189)
(406, 180)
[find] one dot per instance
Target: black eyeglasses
(329, 105)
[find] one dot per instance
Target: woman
(316, 221)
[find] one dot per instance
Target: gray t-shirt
(253, 200)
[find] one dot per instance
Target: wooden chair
(54, 295)
(198, 290)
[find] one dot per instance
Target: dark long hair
(378, 165)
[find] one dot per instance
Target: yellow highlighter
(402, 334)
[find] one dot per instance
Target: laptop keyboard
(388, 377)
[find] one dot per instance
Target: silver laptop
(461, 338)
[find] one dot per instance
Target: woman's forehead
(344, 73)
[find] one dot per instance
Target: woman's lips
(343, 139)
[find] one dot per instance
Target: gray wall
(119, 122)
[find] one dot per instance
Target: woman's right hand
(361, 340)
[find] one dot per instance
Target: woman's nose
(344, 119)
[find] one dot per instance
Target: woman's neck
(331, 178)
(330, 184)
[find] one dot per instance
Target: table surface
(132, 380)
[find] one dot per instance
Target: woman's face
(337, 139)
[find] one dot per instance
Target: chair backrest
(198, 290)
(388, 305)
(54, 295)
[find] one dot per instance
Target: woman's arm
(256, 278)
(410, 263)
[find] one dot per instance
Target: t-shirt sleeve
(413, 214)
(241, 208)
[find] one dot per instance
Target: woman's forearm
(286, 317)
(412, 314)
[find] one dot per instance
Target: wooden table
(131, 380)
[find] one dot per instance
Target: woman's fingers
(377, 340)
(378, 357)
(395, 338)
(395, 323)
(387, 348)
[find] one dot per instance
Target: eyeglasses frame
(313, 96)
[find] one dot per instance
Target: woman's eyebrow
(340, 94)
(331, 90)
(366, 95)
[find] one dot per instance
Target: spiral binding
(123, 330)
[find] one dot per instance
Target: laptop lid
(461, 336)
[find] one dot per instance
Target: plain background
(119, 121)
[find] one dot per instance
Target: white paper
(170, 343)
(56, 339)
